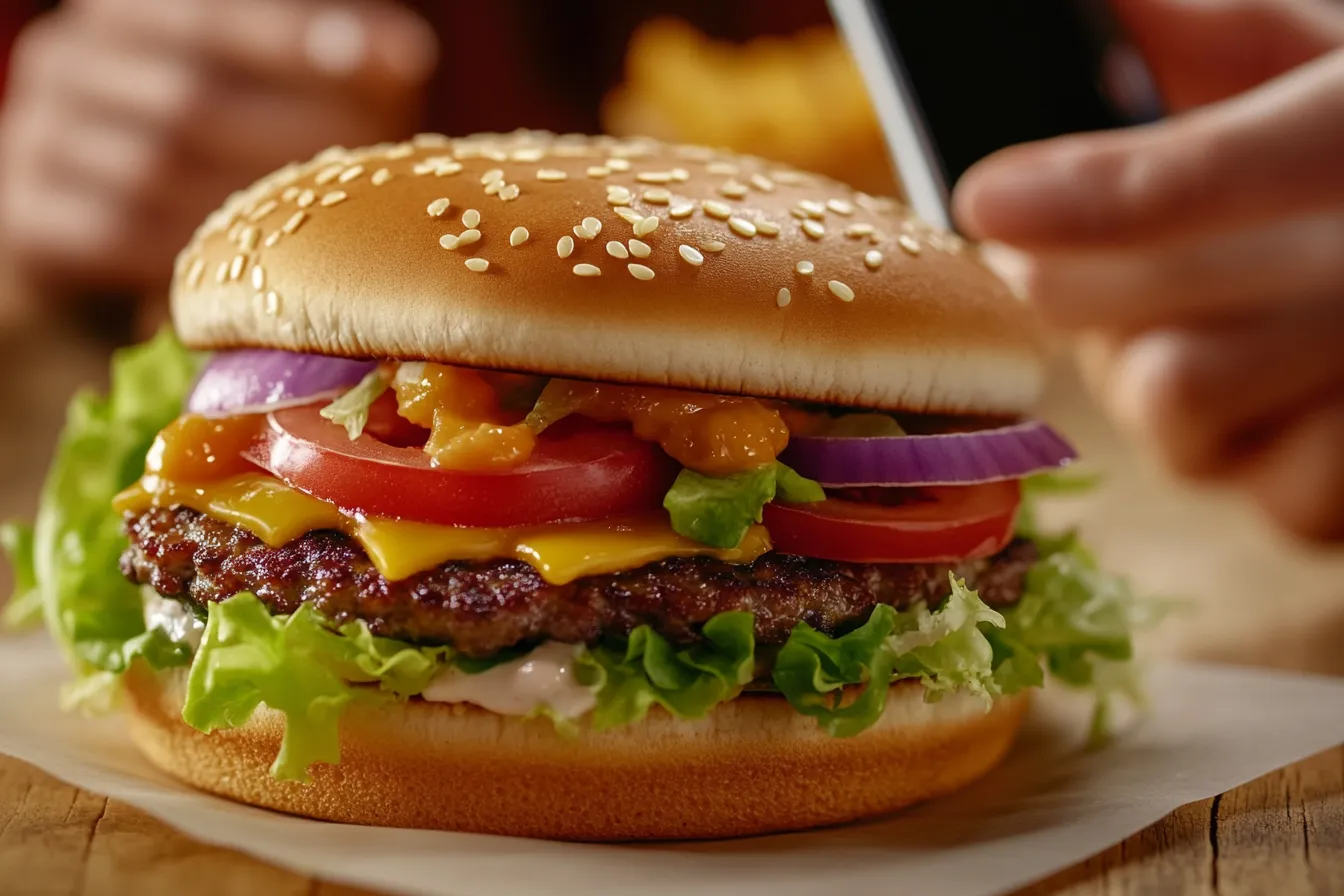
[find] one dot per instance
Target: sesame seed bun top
(618, 260)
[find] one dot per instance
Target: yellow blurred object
(798, 100)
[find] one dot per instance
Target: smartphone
(987, 74)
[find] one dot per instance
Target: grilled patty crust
(483, 607)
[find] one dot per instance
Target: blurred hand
(1200, 259)
(128, 121)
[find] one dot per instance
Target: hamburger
(575, 488)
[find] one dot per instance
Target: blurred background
(124, 122)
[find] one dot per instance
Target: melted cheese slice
(562, 552)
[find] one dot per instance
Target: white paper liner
(1052, 804)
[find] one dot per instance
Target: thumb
(1270, 152)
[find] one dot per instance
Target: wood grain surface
(1258, 599)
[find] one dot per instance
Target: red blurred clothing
(535, 63)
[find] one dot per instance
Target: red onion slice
(961, 458)
(255, 380)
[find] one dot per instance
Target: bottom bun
(753, 766)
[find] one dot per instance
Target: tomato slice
(929, 525)
(580, 470)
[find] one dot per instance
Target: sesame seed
(598, 170)
(639, 271)
(646, 226)
(583, 233)
(327, 175)
(381, 176)
(788, 178)
(618, 164)
(551, 174)
(424, 167)
(658, 196)
(306, 198)
(194, 274)
(518, 236)
(629, 215)
(798, 213)
(222, 273)
(681, 210)
(690, 255)
(587, 270)
(732, 189)
(857, 230)
(294, 223)
(726, 168)
(813, 208)
(873, 259)
(467, 237)
(805, 268)
(712, 245)
(446, 168)
(763, 183)
(247, 239)
(680, 175)
(876, 237)
(448, 241)
(290, 194)
(616, 249)
(234, 231)
(509, 192)
(908, 243)
(237, 267)
(783, 297)
(479, 265)
(494, 187)
(491, 176)
(654, 177)
(840, 291)
(840, 206)
(639, 248)
(273, 302)
(263, 210)
(716, 209)
(335, 197)
(565, 247)
(400, 151)
(742, 227)
(271, 239)
(766, 228)
(351, 173)
(618, 196)
(438, 207)
(471, 218)
(814, 229)
(592, 225)
(527, 154)
(258, 278)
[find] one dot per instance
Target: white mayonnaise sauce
(177, 622)
(545, 677)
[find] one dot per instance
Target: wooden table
(1265, 601)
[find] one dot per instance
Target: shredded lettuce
(71, 561)
(718, 510)
(843, 681)
(351, 410)
(299, 667)
(631, 677)
(24, 607)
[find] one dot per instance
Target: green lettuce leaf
(351, 410)
(91, 610)
(646, 670)
(299, 667)
(718, 510)
(24, 606)
(944, 648)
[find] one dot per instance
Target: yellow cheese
(560, 552)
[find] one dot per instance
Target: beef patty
(483, 607)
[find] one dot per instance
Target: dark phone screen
(991, 73)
